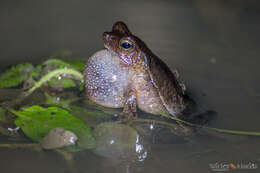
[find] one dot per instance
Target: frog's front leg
(129, 111)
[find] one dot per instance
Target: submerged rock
(119, 141)
(58, 138)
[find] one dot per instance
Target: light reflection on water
(185, 34)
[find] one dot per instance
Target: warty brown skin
(151, 84)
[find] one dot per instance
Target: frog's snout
(106, 36)
(109, 40)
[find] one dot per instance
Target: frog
(127, 74)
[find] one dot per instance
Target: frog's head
(122, 42)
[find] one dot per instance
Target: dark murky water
(214, 44)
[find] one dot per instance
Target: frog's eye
(126, 44)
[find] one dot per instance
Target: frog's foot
(127, 116)
(129, 112)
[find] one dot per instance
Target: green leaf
(64, 82)
(64, 54)
(56, 62)
(80, 65)
(57, 101)
(15, 75)
(90, 115)
(36, 122)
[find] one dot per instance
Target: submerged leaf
(80, 65)
(62, 81)
(56, 63)
(57, 101)
(15, 75)
(27, 73)
(36, 122)
(2, 115)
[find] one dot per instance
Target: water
(214, 45)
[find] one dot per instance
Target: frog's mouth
(109, 49)
(106, 47)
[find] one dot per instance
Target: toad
(127, 74)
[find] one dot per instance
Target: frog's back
(166, 83)
(169, 89)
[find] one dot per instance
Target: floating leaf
(90, 115)
(36, 122)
